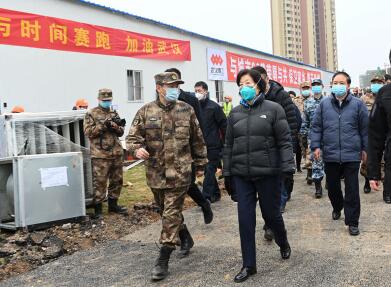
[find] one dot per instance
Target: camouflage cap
(105, 94)
(377, 78)
(168, 78)
(305, 84)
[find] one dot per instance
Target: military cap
(305, 84)
(317, 81)
(168, 78)
(377, 78)
(105, 95)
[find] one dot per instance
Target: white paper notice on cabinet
(55, 176)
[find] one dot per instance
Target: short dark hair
(387, 77)
(202, 85)
(349, 80)
(255, 75)
(260, 70)
(174, 70)
(292, 93)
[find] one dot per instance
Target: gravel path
(323, 254)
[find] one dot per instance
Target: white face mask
(200, 96)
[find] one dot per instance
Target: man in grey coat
(340, 129)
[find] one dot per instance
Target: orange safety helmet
(17, 109)
(81, 103)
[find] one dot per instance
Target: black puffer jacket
(257, 141)
(191, 100)
(278, 95)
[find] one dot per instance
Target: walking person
(215, 124)
(340, 130)
(257, 151)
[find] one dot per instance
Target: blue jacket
(340, 131)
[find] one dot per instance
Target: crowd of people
(259, 145)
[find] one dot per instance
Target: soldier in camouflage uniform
(369, 100)
(310, 107)
(106, 152)
(305, 88)
(166, 134)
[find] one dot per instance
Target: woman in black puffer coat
(257, 152)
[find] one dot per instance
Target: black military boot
(114, 207)
(318, 189)
(160, 270)
(387, 197)
(98, 211)
(367, 186)
(187, 241)
(309, 176)
(207, 211)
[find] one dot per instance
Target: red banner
(286, 75)
(30, 30)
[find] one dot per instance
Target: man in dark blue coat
(214, 126)
(340, 129)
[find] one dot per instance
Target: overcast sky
(363, 26)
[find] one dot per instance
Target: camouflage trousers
(317, 166)
(107, 171)
(170, 202)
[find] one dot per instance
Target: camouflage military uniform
(303, 141)
(299, 102)
(106, 153)
(172, 136)
(310, 106)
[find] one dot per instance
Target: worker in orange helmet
(81, 104)
(17, 110)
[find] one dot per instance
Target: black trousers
(387, 181)
(351, 202)
(194, 192)
(211, 188)
(269, 194)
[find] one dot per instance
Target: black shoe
(160, 270)
(299, 170)
(187, 241)
(282, 208)
(98, 211)
(114, 207)
(336, 215)
(367, 186)
(309, 177)
(244, 274)
(208, 213)
(285, 252)
(353, 230)
(269, 235)
(387, 198)
(318, 189)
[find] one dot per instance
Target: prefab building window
(135, 86)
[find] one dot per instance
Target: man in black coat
(379, 141)
(275, 92)
(215, 124)
(194, 192)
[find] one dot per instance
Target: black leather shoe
(336, 215)
(269, 235)
(245, 273)
(387, 198)
(285, 252)
(353, 230)
(207, 211)
(187, 241)
(367, 186)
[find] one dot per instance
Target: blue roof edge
(151, 21)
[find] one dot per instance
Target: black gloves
(230, 187)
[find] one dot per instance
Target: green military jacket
(172, 136)
(104, 143)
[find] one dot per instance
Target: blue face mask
(105, 104)
(172, 94)
(306, 93)
(248, 93)
(339, 90)
(317, 89)
(376, 87)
